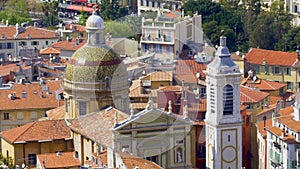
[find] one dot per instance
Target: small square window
(6, 116)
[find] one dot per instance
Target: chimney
(35, 24)
(283, 132)
(170, 107)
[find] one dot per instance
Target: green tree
(290, 41)
(83, 18)
(118, 29)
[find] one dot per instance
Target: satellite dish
(254, 78)
(198, 75)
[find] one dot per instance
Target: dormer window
(228, 100)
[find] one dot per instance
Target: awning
(80, 8)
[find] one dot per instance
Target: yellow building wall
(20, 151)
(7, 148)
(157, 84)
(281, 77)
(240, 63)
(16, 121)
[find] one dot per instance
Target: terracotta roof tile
(286, 118)
(261, 127)
(139, 105)
(76, 27)
(265, 110)
(57, 113)
(37, 131)
(274, 99)
(66, 45)
(131, 162)
(278, 132)
(33, 98)
(7, 69)
(275, 130)
(286, 111)
(249, 95)
(63, 160)
(158, 76)
(265, 85)
(256, 56)
(97, 126)
(236, 57)
(49, 50)
(33, 32)
(187, 69)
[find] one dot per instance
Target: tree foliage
(118, 29)
(246, 24)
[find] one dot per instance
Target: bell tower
(223, 119)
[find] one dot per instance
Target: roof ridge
(29, 126)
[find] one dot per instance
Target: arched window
(228, 100)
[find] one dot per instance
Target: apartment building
(270, 65)
(18, 41)
(170, 33)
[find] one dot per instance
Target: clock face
(229, 154)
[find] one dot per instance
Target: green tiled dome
(94, 64)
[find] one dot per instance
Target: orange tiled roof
(236, 57)
(49, 50)
(57, 113)
(249, 95)
(131, 161)
(33, 32)
(261, 127)
(256, 56)
(5, 70)
(277, 131)
(274, 99)
(288, 121)
(158, 76)
(171, 15)
(187, 69)
(33, 98)
(139, 105)
(38, 131)
(286, 111)
(265, 110)
(100, 122)
(265, 84)
(102, 157)
(63, 160)
(66, 45)
(76, 27)
(136, 92)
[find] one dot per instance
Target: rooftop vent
(58, 153)
(24, 94)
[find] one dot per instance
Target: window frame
(6, 116)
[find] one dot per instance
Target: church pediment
(155, 118)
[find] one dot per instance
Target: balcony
(161, 25)
(149, 40)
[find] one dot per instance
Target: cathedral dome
(95, 22)
(94, 64)
(95, 61)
